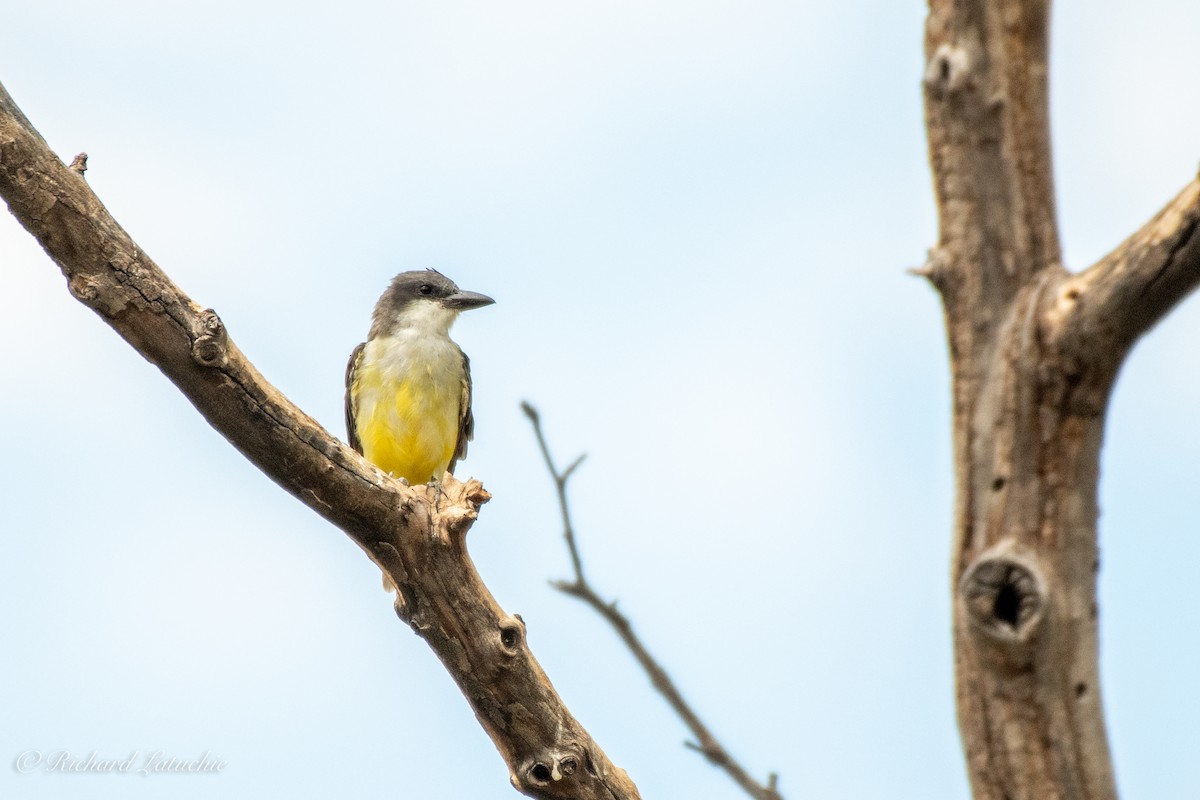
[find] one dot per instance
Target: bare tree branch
(1128, 291)
(989, 144)
(418, 542)
(1028, 414)
(1034, 353)
(706, 744)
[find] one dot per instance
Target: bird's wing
(351, 428)
(466, 420)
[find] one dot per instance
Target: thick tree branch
(1128, 291)
(418, 542)
(706, 744)
(989, 144)
(1033, 366)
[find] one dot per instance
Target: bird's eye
(425, 288)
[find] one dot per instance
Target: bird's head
(423, 299)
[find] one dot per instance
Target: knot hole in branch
(1004, 598)
(549, 769)
(948, 71)
(512, 635)
(209, 349)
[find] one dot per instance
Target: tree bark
(1034, 354)
(417, 537)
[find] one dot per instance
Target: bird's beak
(462, 301)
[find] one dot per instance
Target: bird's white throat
(419, 339)
(423, 317)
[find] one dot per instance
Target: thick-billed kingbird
(408, 387)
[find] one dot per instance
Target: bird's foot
(435, 486)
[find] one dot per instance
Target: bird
(408, 386)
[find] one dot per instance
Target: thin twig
(705, 744)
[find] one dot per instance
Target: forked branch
(1034, 353)
(706, 744)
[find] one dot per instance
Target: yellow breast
(407, 409)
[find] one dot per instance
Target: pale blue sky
(695, 218)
